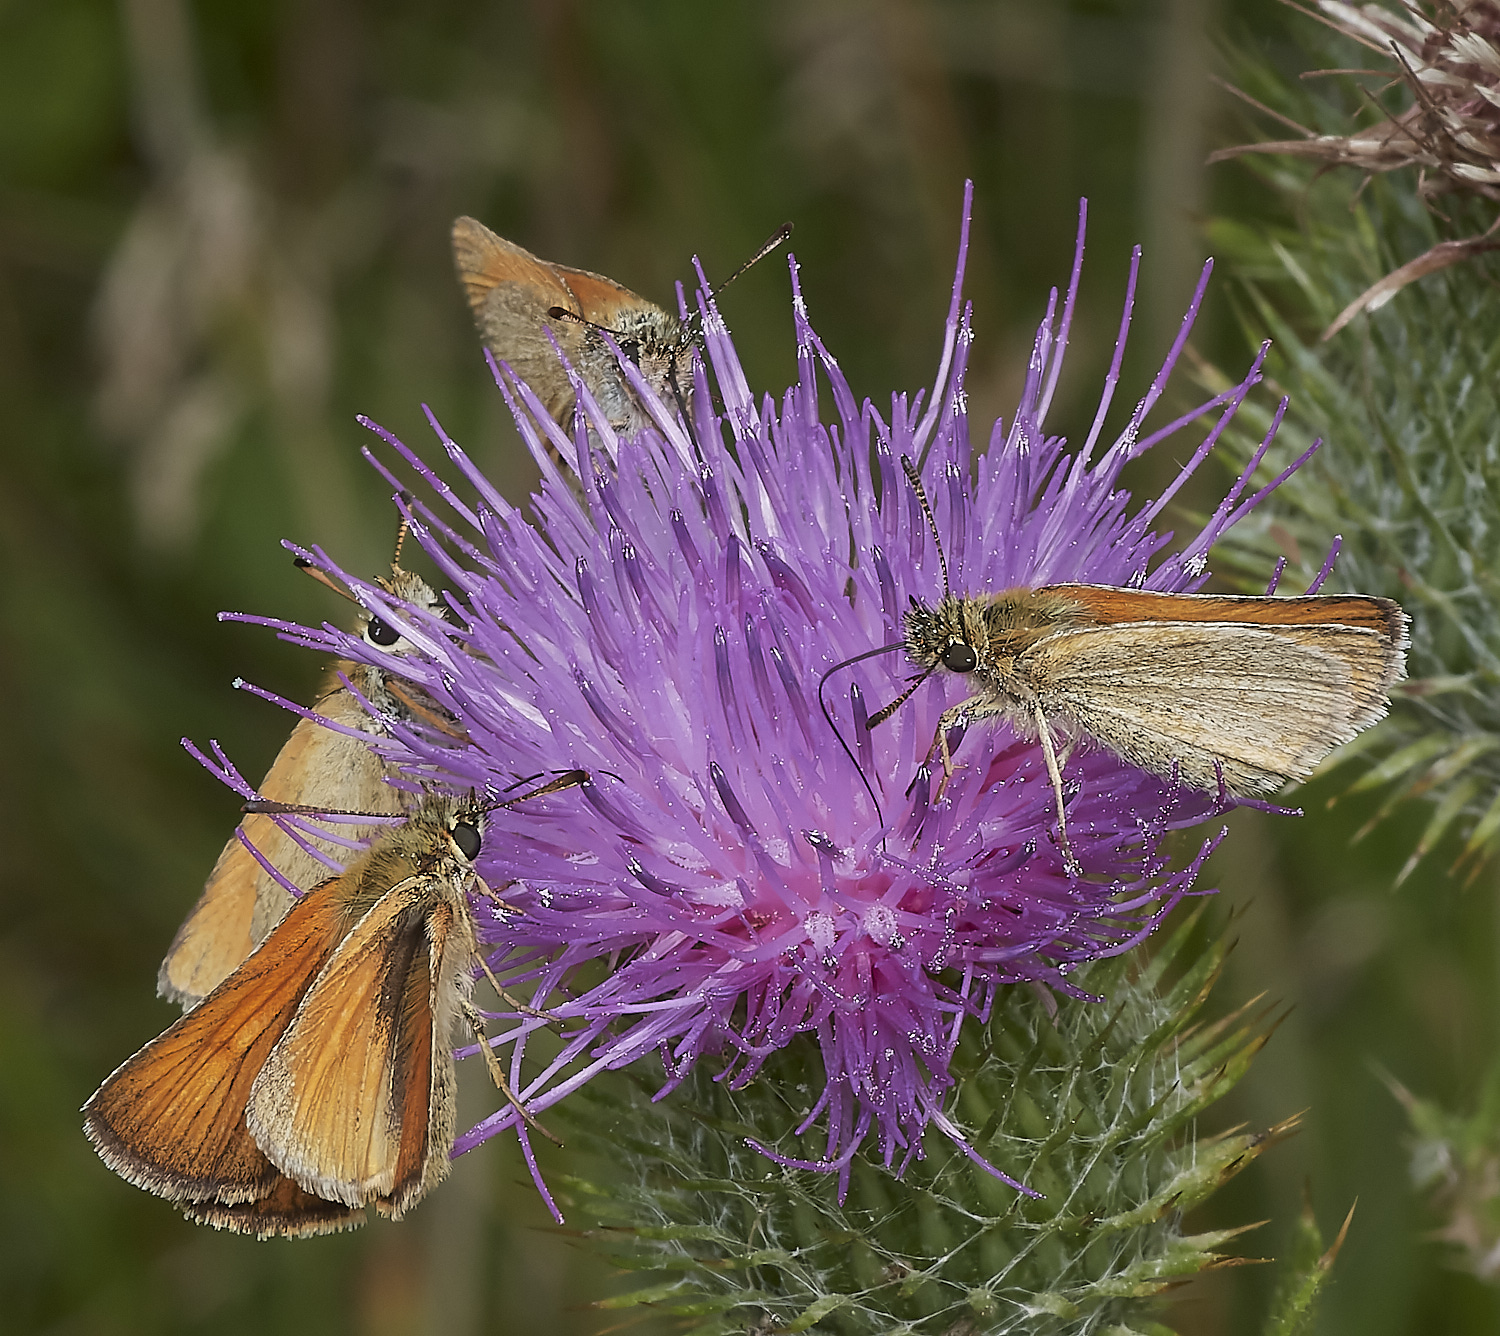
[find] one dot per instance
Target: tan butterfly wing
(356, 1102)
(603, 301)
(486, 261)
(510, 291)
(241, 902)
(171, 1119)
(1260, 704)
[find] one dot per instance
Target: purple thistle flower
(665, 625)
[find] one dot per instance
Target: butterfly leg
(954, 717)
(476, 1023)
(1067, 753)
(1054, 773)
(511, 1001)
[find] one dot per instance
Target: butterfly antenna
(777, 239)
(881, 715)
(693, 326)
(272, 807)
(401, 534)
(328, 582)
(828, 715)
(915, 479)
(567, 780)
(323, 578)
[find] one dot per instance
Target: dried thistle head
(1448, 54)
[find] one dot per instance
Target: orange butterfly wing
(486, 261)
(602, 300)
(510, 291)
(171, 1119)
(356, 1100)
(1112, 606)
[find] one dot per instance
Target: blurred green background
(223, 232)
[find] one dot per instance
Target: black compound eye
(382, 633)
(960, 658)
(468, 839)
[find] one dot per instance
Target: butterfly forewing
(425, 1086)
(348, 1090)
(219, 931)
(241, 902)
(602, 301)
(322, 765)
(1103, 603)
(486, 261)
(1221, 693)
(318, 1078)
(171, 1118)
(511, 294)
(1260, 707)
(356, 1101)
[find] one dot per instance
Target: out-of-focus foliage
(1304, 1273)
(1455, 1160)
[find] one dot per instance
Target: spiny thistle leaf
(1092, 1103)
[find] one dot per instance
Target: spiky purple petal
(663, 622)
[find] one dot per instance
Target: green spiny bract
(1092, 1103)
(1304, 1273)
